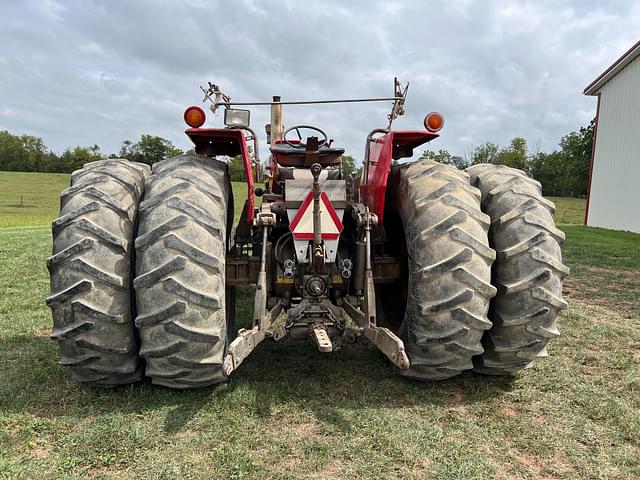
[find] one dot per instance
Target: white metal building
(613, 199)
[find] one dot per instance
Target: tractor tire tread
(179, 287)
(90, 272)
(449, 269)
(528, 270)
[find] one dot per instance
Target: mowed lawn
(30, 198)
(33, 199)
(291, 412)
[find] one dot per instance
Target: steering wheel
(301, 144)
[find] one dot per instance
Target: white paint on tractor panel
(331, 246)
(615, 184)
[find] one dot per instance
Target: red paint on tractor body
(382, 151)
(230, 142)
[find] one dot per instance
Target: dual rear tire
(180, 268)
(176, 319)
(484, 269)
(91, 273)
(528, 271)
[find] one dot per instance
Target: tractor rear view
(442, 270)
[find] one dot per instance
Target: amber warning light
(434, 122)
(194, 117)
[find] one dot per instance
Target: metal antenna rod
(310, 102)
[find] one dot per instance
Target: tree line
(26, 153)
(563, 172)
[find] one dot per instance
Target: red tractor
(443, 270)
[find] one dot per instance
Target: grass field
(30, 198)
(33, 199)
(569, 210)
(291, 412)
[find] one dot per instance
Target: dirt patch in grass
(39, 450)
(509, 411)
(532, 464)
(332, 470)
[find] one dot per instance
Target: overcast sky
(86, 72)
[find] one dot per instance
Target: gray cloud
(85, 72)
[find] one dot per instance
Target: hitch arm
(248, 340)
(241, 347)
(384, 339)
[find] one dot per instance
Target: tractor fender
(230, 142)
(381, 152)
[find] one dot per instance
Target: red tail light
(194, 116)
(433, 122)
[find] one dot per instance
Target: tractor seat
(289, 156)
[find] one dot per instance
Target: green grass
(291, 412)
(30, 198)
(605, 267)
(599, 247)
(569, 210)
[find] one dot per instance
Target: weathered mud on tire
(528, 270)
(180, 272)
(91, 272)
(449, 269)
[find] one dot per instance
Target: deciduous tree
(348, 165)
(149, 149)
(443, 156)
